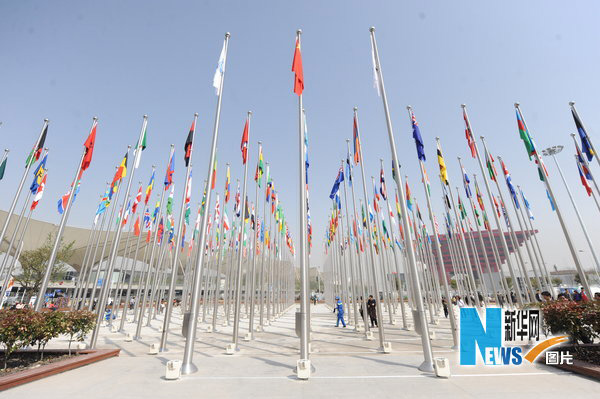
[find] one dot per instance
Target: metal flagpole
(187, 366)
(220, 254)
(131, 279)
(40, 298)
(587, 165)
(397, 280)
(169, 310)
(82, 271)
(461, 236)
(238, 278)
(574, 110)
(354, 298)
(419, 315)
(379, 309)
(363, 287)
(86, 268)
(552, 152)
(572, 248)
(4, 156)
(379, 240)
(496, 218)
(264, 249)
(28, 165)
(102, 298)
(253, 248)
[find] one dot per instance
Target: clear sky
(69, 61)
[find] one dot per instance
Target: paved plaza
(347, 366)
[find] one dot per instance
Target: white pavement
(347, 366)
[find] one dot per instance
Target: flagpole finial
(195, 114)
(299, 32)
(95, 118)
(517, 105)
(153, 166)
(227, 35)
(145, 116)
(459, 158)
(437, 138)
(571, 103)
(46, 120)
(347, 140)
(172, 145)
(482, 138)
(355, 109)
(249, 113)
(128, 147)
(259, 142)
(463, 106)
(408, 107)
(572, 135)
(372, 29)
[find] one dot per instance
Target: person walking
(445, 304)
(339, 307)
(372, 310)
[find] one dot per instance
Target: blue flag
(417, 137)
(336, 184)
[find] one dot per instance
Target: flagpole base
(188, 368)
(426, 367)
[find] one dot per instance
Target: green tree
(509, 282)
(556, 281)
(34, 263)
(453, 284)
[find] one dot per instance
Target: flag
(584, 181)
(147, 220)
(259, 167)
(236, 206)
(442, 163)
(527, 206)
(188, 199)
(356, 141)
(586, 146)
(489, 161)
(169, 173)
(39, 192)
(297, 69)
(136, 227)
(187, 147)
(550, 199)
(227, 190)
(137, 200)
(104, 203)
(170, 200)
(121, 170)
(226, 225)
(36, 152)
(62, 202)
(38, 175)
(219, 72)
(376, 82)
(244, 145)
(382, 187)
(89, 147)
(524, 134)
(149, 189)
(408, 200)
(139, 147)
(214, 175)
(126, 213)
(479, 197)
(156, 211)
(417, 137)
(469, 135)
(160, 231)
(584, 166)
(466, 183)
(511, 188)
(3, 168)
(336, 183)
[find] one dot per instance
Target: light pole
(552, 151)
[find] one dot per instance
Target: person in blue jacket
(339, 306)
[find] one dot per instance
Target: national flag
(550, 199)
(236, 206)
(38, 175)
(442, 163)
(188, 199)
(62, 202)
(121, 171)
(226, 225)
(156, 211)
(104, 203)
(160, 231)
(584, 165)
(497, 206)
(489, 161)
(136, 227)
(125, 214)
(336, 183)
(169, 173)
(461, 207)
(466, 183)
(524, 134)
(170, 200)
(214, 175)
(297, 69)
(382, 187)
(356, 141)
(227, 191)
(149, 189)
(527, 206)
(3, 168)
(137, 200)
(259, 167)
(246, 211)
(469, 135)
(39, 192)
(89, 144)
(188, 146)
(417, 137)
(220, 71)
(586, 146)
(147, 220)
(479, 197)
(36, 152)
(376, 82)
(139, 147)
(244, 144)
(408, 197)
(584, 181)
(511, 188)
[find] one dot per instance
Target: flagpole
(496, 218)
(4, 156)
(187, 366)
(103, 296)
(220, 255)
(21, 183)
(552, 152)
(572, 106)
(587, 165)
(363, 287)
(167, 317)
(354, 298)
(397, 280)
(382, 343)
(427, 364)
(40, 298)
(264, 249)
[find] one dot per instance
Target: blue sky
(69, 61)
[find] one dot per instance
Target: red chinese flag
(244, 145)
(89, 148)
(136, 227)
(297, 69)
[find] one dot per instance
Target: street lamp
(555, 149)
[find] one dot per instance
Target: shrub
(17, 328)
(78, 324)
(580, 320)
(48, 325)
